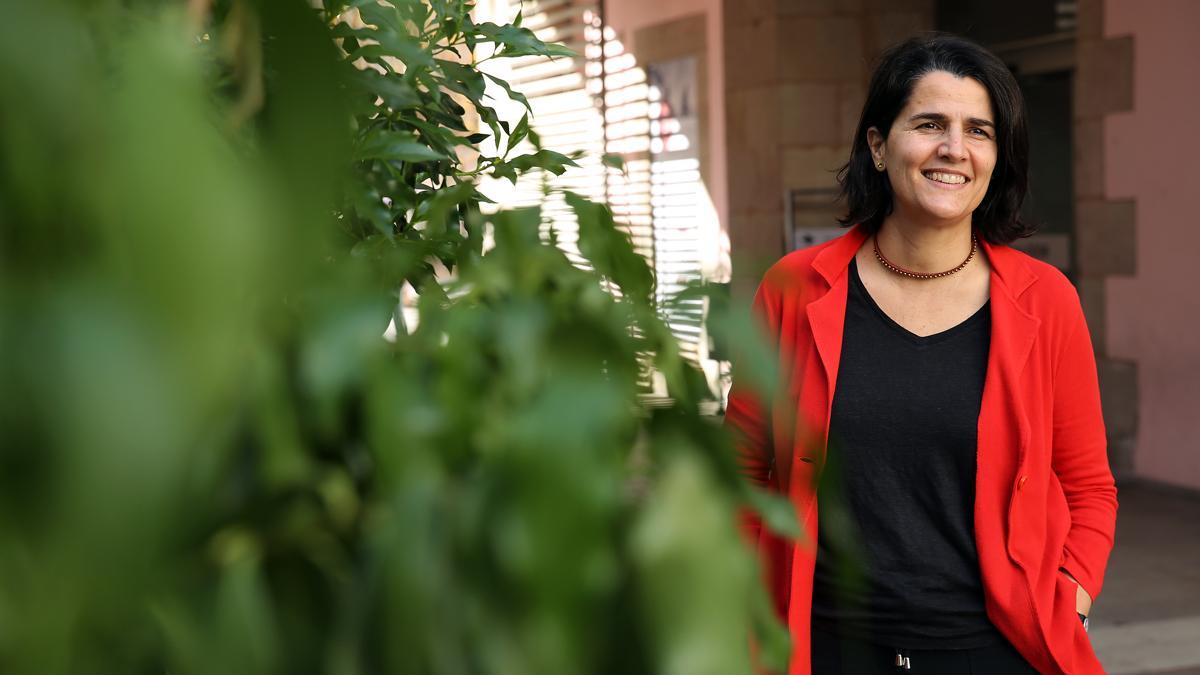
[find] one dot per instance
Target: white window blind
(646, 114)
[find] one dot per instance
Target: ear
(877, 143)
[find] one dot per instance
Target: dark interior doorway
(1036, 38)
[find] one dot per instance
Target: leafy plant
(210, 461)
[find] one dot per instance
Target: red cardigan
(1044, 495)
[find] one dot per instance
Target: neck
(922, 248)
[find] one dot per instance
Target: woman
(941, 389)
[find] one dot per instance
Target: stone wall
(795, 78)
(1148, 61)
(1105, 241)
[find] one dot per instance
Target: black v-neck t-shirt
(896, 561)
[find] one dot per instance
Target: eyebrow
(942, 119)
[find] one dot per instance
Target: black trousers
(833, 655)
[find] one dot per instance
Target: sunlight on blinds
(604, 101)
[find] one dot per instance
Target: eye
(982, 133)
(927, 125)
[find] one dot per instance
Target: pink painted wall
(627, 16)
(1152, 155)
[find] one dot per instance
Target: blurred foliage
(211, 461)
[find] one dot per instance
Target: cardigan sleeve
(1080, 458)
(746, 413)
(749, 417)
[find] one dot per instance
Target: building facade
(765, 95)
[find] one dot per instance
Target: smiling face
(940, 151)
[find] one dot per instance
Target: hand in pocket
(1083, 601)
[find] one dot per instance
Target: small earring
(879, 165)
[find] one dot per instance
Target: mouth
(945, 177)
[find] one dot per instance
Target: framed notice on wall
(810, 217)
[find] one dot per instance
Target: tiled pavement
(1147, 620)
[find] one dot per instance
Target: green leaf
(548, 160)
(516, 41)
(777, 513)
(398, 147)
(371, 52)
(395, 91)
(435, 210)
(773, 640)
(693, 576)
(432, 292)
(344, 30)
(449, 114)
(518, 228)
(504, 170)
(368, 205)
(405, 47)
(554, 162)
(488, 117)
(519, 133)
(439, 138)
(392, 258)
(610, 250)
(535, 138)
(464, 79)
(512, 93)
(393, 35)
(613, 160)
(382, 17)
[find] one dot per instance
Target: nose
(953, 146)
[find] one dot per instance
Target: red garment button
(1021, 482)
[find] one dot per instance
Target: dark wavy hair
(867, 192)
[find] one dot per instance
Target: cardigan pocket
(1065, 615)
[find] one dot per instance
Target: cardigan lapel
(1014, 331)
(826, 314)
(1003, 428)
